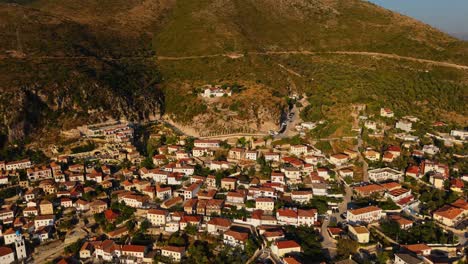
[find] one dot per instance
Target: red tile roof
(287, 244)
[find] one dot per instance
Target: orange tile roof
(449, 212)
(365, 210)
(287, 244)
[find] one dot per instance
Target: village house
(9, 236)
(219, 165)
(272, 156)
(228, 183)
(346, 172)
(235, 238)
(216, 91)
(418, 249)
(364, 215)
(39, 173)
(265, 204)
(319, 189)
(200, 143)
(292, 174)
(298, 150)
(191, 191)
(368, 190)
(399, 195)
(163, 193)
(46, 208)
(369, 124)
(386, 112)
(236, 154)
(449, 215)
(218, 225)
(359, 234)
(404, 125)
(174, 253)
(251, 155)
(307, 217)
(18, 165)
(44, 220)
(7, 255)
(339, 159)
(385, 174)
(371, 155)
(157, 217)
(281, 248)
(31, 211)
(402, 258)
(97, 206)
(301, 196)
(235, 198)
(133, 200)
(6, 214)
(278, 177)
(201, 152)
(404, 223)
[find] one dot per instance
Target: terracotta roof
(398, 192)
(174, 249)
(368, 189)
(237, 235)
(287, 213)
(417, 248)
(360, 229)
(306, 213)
(390, 185)
(335, 230)
(364, 210)
(287, 244)
(264, 200)
(400, 220)
(220, 222)
(291, 260)
(157, 211)
(449, 212)
(5, 251)
(133, 248)
(340, 156)
(460, 203)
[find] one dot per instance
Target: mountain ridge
(140, 54)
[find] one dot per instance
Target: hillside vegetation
(70, 62)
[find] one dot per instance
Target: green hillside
(72, 62)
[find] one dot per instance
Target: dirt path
(239, 55)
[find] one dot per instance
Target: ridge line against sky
(450, 16)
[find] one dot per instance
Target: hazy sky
(450, 16)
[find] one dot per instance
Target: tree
(147, 163)
(199, 252)
(144, 226)
(73, 248)
(346, 247)
(191, 229)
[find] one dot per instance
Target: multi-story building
(174, 253)
(364, 215)
(385, 174)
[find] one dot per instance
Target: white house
(364, 215)
(157, 217)
(174, 253)
(404, 125)
(385, 174)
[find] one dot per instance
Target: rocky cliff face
(57, 73)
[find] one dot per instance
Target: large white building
(385, 174)
(364, 215)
